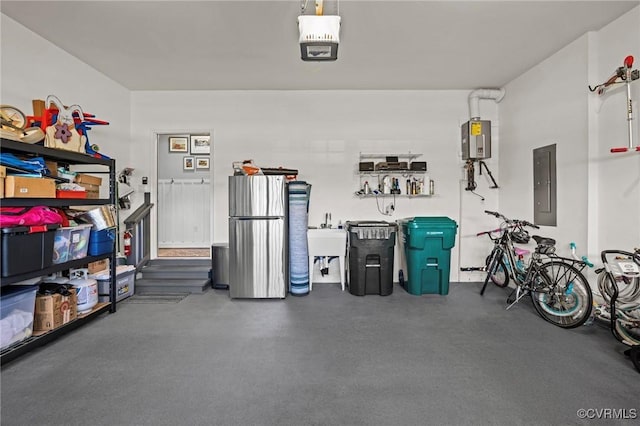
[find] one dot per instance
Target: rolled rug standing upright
(299, 192)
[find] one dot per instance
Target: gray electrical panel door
(544, 186)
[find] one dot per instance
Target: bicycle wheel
(499, 275)
(561, 294)
(630, 336)
(492, 266)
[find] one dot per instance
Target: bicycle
(500, 276)
(619, 286)
(559, 291)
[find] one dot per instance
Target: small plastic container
(102, 241)
(125, 282)
(65, 174)
(18, 305)
(61, 243)
(64, 193)
(79, 241)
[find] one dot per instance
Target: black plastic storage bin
(27, 248)
(371, 245)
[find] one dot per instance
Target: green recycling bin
(425, 247)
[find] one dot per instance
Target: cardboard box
(3, 171)
(1, 187)
(29, 187)
(91, 180)
(93, 191)
(52, 166)
(98, 265)
(55, 310)
(38, 106)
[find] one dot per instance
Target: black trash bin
(371, 245)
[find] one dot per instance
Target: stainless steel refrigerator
(258, 237)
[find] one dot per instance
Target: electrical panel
(476, 140)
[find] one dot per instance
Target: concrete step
(175, 272)
(171, 286)
(181, 262)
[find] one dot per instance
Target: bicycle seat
(544, 241)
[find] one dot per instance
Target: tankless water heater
(476, 140)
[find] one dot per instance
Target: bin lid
(370, 223)
(12, 290)
(424, 222)
(372, 230)
(120, 269)
(32, 229)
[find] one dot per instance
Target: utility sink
(327, 242)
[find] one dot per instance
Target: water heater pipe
(477, 94)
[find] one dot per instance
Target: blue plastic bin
(102, 242)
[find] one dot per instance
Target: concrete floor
(329, 358)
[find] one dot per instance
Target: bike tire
(628, 337)
(500, 276)
(565, 297)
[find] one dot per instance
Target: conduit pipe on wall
(477, 94)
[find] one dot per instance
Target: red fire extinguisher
(127, 242)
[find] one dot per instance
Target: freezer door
(258, 266)
(257, 196)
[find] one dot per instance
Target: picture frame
(200, 144)
(202, 163)
(178, 144)
(188, 163)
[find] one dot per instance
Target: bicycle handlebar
(512, 221)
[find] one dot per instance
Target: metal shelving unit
(377, 176)
(68, 158)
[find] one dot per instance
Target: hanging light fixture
(319, 34)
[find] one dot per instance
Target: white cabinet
(393, 175)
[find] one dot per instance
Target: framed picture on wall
(178, 144)
(200, 144)
(188, 163)
(202, 163)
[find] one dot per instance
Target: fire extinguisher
(127, 242)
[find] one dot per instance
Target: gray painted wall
(170, 164)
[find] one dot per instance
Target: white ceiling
(200, 45)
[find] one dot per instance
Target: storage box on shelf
(54, 310)
(125, 283)
(91, 184)
(79, 241)
(16, 315)
(101, 241)
(29, 187)
(62, 193)
(98, 265)
(27, 248)
(70, 243)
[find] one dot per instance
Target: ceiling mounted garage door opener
(625, 75)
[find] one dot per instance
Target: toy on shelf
(13, 126)
(72, 123)
(63, 134)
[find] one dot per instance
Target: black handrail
(139, 225)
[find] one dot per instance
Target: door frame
(153, 181)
